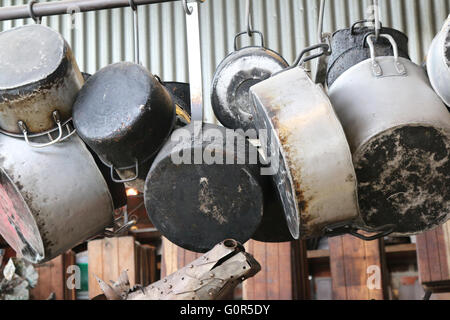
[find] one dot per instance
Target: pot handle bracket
(23, 127)
(342, 229)
(114, 179)
(376, 67)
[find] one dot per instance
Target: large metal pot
(349, 48)
(125, 115)
(233, 78)
(399, 133)
(39, 80)
(438, 63)
(210, 199)
(51, 199)
(315, 177)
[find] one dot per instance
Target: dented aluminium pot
(438, 63)
(315, 178)
(52, 198)
(233, 78)
(348, 48)
(125, 115)
(39, 80)
(399, 133)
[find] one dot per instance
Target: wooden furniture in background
(284, 271)
(174, 257)
(53, 278)
(433, 255)
(354, 263)
(110, 256)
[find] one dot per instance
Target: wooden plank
(51, 280)
(126, 258)
(174, 257)
(357, 268)
(433, 257)
(69, 260)
(95, 266)
(281, 275)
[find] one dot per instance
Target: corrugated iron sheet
(103, 37)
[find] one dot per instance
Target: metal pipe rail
(67, 7)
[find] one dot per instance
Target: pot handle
(60, 137)
(125, 180)
(376, 68)
(249, 32)
(380, 232)
(300, 60)
(352, 29)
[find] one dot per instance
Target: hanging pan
(39, 80)
(52, 198)
(195, 199)
(315, 175)
(399, 134)
(438, 63)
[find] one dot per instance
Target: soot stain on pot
(404, 179)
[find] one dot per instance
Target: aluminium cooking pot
(399, 134)
(438, 63)
(315, 177)
(124, 114)
(348, 48)
(52, 198)
(233, 78)
(39, 80)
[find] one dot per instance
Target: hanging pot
(399, 133)
(124, 114)
(438, 63)
(233, 78)
(315, 176)
(39, 79)
(51, 199)
(348, 48)
(209, 200)
(180, 93)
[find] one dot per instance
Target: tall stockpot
(399, 134)
(39, 80)
(348, 48)
(52, 198)
(438, 63)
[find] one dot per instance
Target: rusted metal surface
(349, 48)
(399, 133)
(124, 114)
(36, 81)
(438, 63)
(53, 198)
(210, 200)
(314, 146)
(233, 78)
(213, 276)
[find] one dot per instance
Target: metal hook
(187, 10)
(320, 22)
(248, 17)
(136, 30)
(31, 11)
(377, 19)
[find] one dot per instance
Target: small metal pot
(195, 203)
(233, 78)
(348, 48)
(52, 198)
(125, 115)
(438, 63)
(181, 94)
(39, 80)
(399, 134)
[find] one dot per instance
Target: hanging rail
(52, 8)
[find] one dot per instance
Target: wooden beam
(357, 268)
(284, 272)
(433, 255)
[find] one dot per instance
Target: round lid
(17, 224)
(29, 54)
(235, 75)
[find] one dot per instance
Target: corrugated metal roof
(103, 37)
